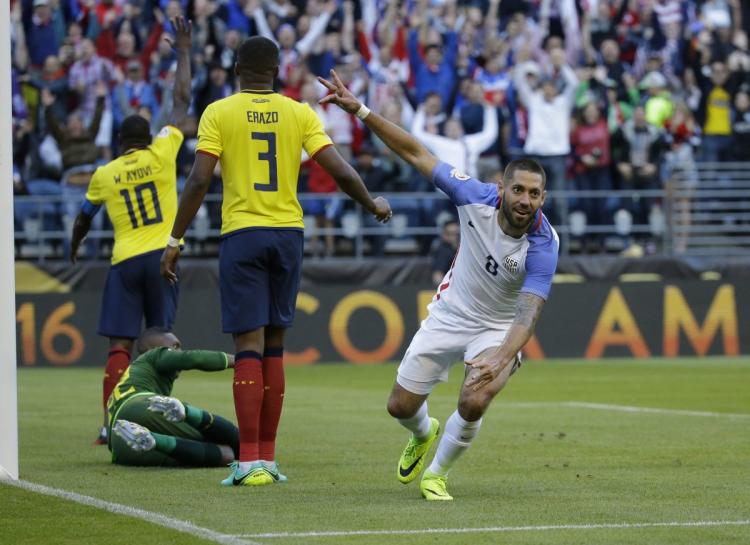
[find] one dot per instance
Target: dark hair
(135, 129)
(142, 343)
(258, 55)
(432, 94)
(428, 47)
(527, 165)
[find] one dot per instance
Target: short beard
(508, 212)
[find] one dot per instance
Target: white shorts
(437, 346)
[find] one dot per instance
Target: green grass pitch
(537, 461)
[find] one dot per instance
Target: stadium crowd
(605, 94)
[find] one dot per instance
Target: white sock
(244, 466)
(456, 439)
(419, 424)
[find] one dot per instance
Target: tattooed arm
(489, 366)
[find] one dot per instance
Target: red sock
(248, 398)
(117, 362)
(273, 400)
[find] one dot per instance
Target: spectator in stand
(549, 111)
(401, 173)
(610, 60)
(387, 73)
(216, 87)
(592, 155)
(445, 253)
(463, 149)
(715, 112)
(54, 78)
(434, 66)
(45, 29)
(85, 77)
(120, 44)
(434, 115)
(377, 181)
(134, 93)
(659, 107)
(637, 148)
(76, 142)
(678, 169)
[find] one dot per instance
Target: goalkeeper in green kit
(147, 427)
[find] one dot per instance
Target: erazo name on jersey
(264, 118)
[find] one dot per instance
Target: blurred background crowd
(607, 95)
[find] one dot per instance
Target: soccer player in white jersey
(484, 310)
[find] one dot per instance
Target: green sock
(196, 454)
(165, 443)
(193, 416)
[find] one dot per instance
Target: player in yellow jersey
(257, 136)
(139, 191)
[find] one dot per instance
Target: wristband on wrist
(363, 112)
(173, 242)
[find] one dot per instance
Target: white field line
(134, 512)
(500, 529)
(620, 408)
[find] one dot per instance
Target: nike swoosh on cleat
(405, 472)
(432, 491)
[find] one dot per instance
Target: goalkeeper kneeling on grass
(147, 427)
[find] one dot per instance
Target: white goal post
(8, 392)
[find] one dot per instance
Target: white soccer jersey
(491, 268)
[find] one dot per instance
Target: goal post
(8, 392)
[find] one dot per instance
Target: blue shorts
(259, 273)
(135, 290)
(329, 208)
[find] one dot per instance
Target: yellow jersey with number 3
(139, 190)
(258, 137)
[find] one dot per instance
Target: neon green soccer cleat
(276, 474)
(257, 475)
(434, 487)
(412, 459)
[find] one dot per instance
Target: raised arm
(525, 92)
(317, 28)
(432, 141)
(261, 23)
(181, 93)
(401, 142)
(571, 84)
(488, 135)
(53, 125)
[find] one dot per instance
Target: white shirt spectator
(549, 121)
(463, 152)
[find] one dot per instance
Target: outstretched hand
(339, 94)
(183, 34)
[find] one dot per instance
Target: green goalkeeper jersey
(156, 370)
